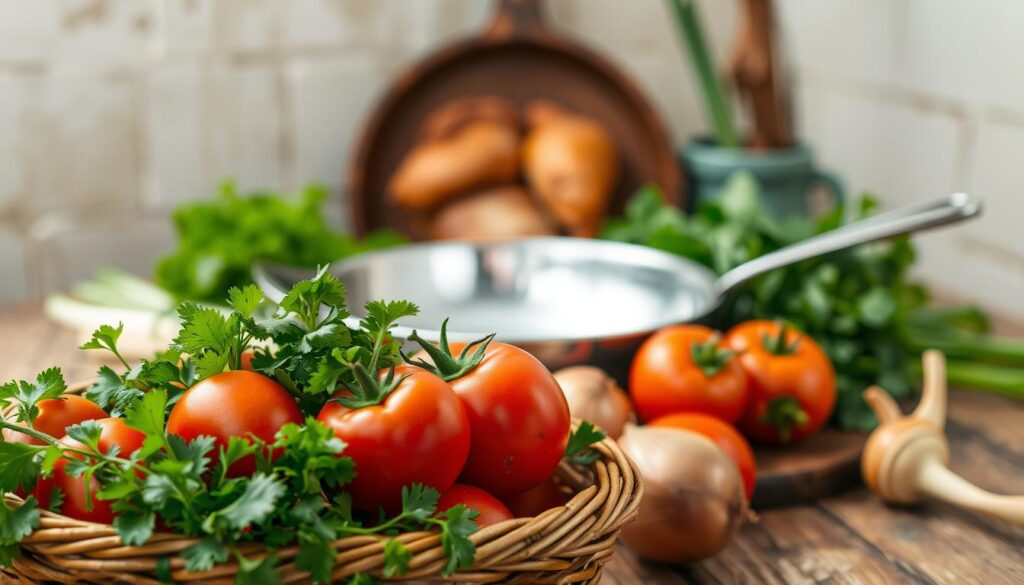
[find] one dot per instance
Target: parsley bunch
(219, 239)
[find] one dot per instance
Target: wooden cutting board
(822, 465)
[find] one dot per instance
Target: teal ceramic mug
(788, 177)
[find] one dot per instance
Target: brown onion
(693, 495)
(594, 396)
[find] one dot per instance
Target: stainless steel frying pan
(576, 301)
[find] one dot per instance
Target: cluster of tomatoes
(772, 382)
(490, 438)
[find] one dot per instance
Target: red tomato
(233, 404)
(722, 434)
(419, 434)
(491, 509)
(247, 356)
(682, 369)
(519, 417)
(57, 414)
(76, 503)
(536, 500)
(792, 383)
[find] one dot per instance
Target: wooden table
(850, 538)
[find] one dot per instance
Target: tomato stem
(777, 344)
(368, 391)
(443, 363)
(784, 413)
(710, 358)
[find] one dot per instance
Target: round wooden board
(819, 466)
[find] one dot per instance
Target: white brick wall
(124, 108)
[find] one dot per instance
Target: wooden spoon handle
(938, 481)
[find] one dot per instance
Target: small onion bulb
(693, 495)
(594, 396)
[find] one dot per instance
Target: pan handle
(515, 18)
(955, 208)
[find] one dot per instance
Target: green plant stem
(711, 87)
(968, 346)
(1003, 380)
(65, 449)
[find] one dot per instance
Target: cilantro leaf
(381, 315)
(17, 523)
(49, 384)
(18, 465)
(86, 433)
(204, 554)
(578, 449)
(245, 300)
(56, 499)
(8, 554)
(147, 413)
(258, 572)
(317, 558)
(106, 388)
(157, 489)
(105, 337)
(135, 528)
(419, 501)
(396, 558)
(458, 525)
(252, 507)
(363, 579)
(202, 328)
(211, 363)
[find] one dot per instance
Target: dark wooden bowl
(521, 60)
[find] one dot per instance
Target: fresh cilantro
(245, 300)
(578, 448)
(317, 558)
(263, 571)
(396, 558)
(104, 392)
(204, 554)
(18, 465)
(48, 385)
(253, 506)
(210, 257)
(455, 530)
(106, 337)
(17, 523)
(146, 414)
(134, 528)
(86, 433)
(419, 501)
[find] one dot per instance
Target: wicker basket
(569, 544)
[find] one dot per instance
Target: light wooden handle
(904, 460)
(936, 480)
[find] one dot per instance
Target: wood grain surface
(847, 538)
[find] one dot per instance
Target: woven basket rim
(567, 544)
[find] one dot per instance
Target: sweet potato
(494, 214)
(453, 116)
(479, 154)
(571, 165)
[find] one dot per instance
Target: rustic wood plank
(999, 418)
(939, 543)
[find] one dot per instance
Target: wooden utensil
(905, 460)
(519, 59)
(756, 73)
